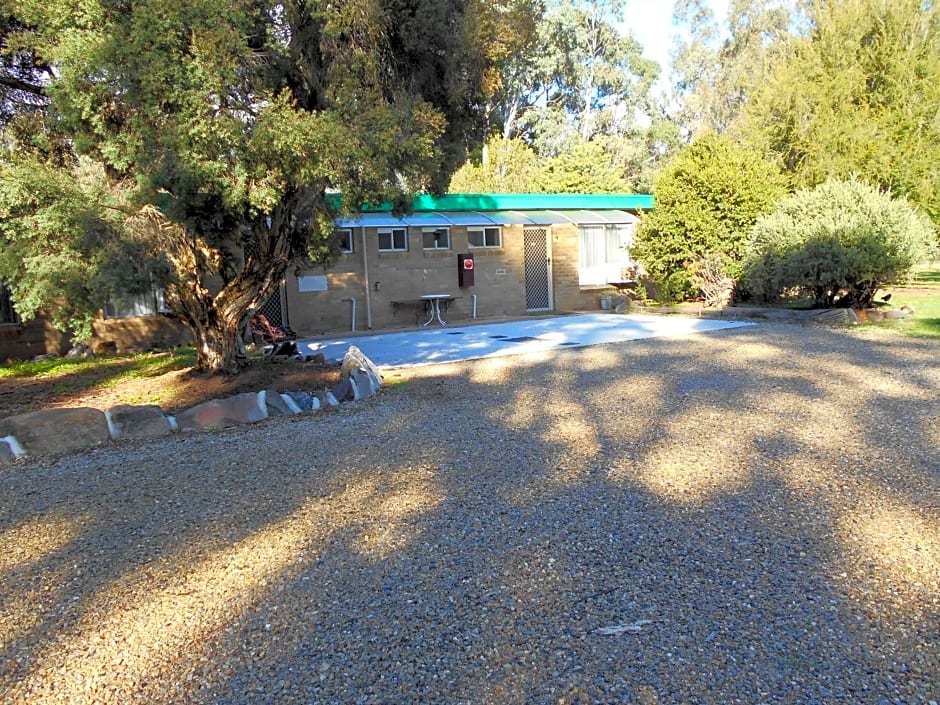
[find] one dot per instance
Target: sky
(650, 21)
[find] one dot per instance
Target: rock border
(829, 317)
(64, 430)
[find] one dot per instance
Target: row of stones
(66, 430)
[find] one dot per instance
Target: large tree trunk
(214, 297)
(218, 345)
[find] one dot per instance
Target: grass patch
(100, 372)
(925, 323)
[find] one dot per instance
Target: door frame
(526, 231)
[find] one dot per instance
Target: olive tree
(837, 243)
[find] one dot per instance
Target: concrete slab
(521, 337)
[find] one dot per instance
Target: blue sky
(650, 21)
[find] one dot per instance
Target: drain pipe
(474, 296)
(352, 324)
(365, 269)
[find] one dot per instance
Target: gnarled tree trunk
(215, 288)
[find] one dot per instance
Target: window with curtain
(603, 253)
(133, 305)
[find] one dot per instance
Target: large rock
(356, 359)
(275, 403)
(363, 384)
(836, 317)
(244, 408)
(57, 430)
(6, 450)
(343, 390)
(127, 421)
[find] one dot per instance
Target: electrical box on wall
(465, 270)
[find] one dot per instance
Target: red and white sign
(468, 264)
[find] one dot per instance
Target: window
(133, 305)
(8, 313)
(345, 238)
(393, 240)
(436, 238)
(484, 237)
(604, 252)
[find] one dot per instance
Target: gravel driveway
(745, 516)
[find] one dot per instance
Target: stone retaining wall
(66, 430)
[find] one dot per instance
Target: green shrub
(707, 199)
(837, 243)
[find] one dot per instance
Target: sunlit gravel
(746, 516)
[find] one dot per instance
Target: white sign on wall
(312, 282)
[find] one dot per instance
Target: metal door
(538, 269)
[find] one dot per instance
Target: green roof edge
(524, 202)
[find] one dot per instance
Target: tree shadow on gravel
(757, 516)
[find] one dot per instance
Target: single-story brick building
(530, 253)
(493, 255)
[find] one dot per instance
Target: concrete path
(522, 337)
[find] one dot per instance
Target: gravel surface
(747, 516)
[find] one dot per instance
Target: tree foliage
(707, 199)
(837, 243)
(716, 72)
(513, 167)
(595, 77)
(219, 128)
(859, 95)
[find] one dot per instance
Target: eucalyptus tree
(596, 80)
(716, 68)
(205, 137)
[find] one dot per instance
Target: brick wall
(405, 276)
(499, 286)
(138, 333)
(26, 341)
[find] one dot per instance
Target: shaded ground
(756, 512)
(171, 390)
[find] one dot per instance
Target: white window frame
(437, 241)
(150, 303)
(483, 231)
(603, 253)
(346, 233)
(390, 232)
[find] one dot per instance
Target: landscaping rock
(355, 358)
(326, 398)
(305, 401)
(343, 390)
(874, 315)
(836, 317)
(218, 413)
(79, 352)
(274, 403)
(57, 430)
(6, 452)
(895, 314)
(127, 421)
(364, 384)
